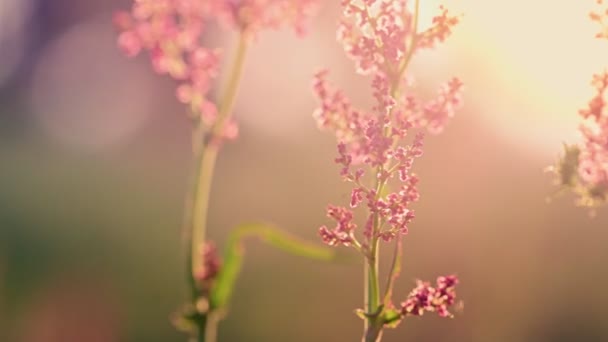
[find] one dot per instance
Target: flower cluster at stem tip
(172, 31)
(378, 44)
(376, 148)
(583, 167)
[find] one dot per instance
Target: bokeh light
(14, 17)
(84, 93)
(540, 55)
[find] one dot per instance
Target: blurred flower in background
(583, 167)
(83, 93)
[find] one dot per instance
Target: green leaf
(361, 314)
(234, 251)
(391, 318)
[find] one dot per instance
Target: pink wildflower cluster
(426, 298)
(376, 147)
(255, 15)
(584, 167)
(171, 32)
(381, 36)
(593, 158)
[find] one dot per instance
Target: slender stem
(206, 163)
(374, 300)
(395, 269)
(372, 285)
(373, 334)
(372, 329)
(207, 156)
(206, 150)
(227, 105)
(413, 41)
(366, 294)
(211, 327)
(202, 329)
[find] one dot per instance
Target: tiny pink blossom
(211, 267)
(356, 197)
(171, 32)
(439, 31)
(342, 233)
(584, 167)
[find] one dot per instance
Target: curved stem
(206, 149)
(207, 156)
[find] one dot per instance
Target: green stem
(372, 329)
(372, 292)
(373, 333)
(374, 300)
(206, 163)
(413, 41)
(206, 152)
(202, 328)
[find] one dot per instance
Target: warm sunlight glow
(540, 56)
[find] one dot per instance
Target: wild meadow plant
(171, 31)
(376, 151)
(381, 37)
(583, 167)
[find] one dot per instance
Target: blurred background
(95, 155)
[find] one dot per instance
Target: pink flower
(383, 142)
(426, 298)
(381, 37)
(342, 233)
(212, 265)
(171, 32)
(584, 167)
(255, 15)
(441, 29)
